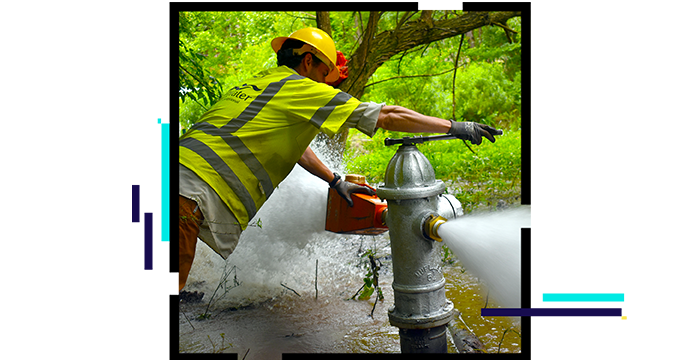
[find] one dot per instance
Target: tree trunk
(336, 144)
(323, 22)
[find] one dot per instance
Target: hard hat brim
(277, 43)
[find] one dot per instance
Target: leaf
(366, 293)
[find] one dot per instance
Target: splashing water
(488, 245)
(284, 249)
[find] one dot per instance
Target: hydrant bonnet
(409, 175)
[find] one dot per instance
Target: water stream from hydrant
(274, 310)
(488, 245)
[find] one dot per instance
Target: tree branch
(427, 17)
(410, 76)
(406, 16)
(505, 27)
(287, 287)
(507, 31)
(363, 53)
(410, 35)
(454, 79)
(308, 16)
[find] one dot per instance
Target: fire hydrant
(415, 210)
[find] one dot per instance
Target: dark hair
(285, 55)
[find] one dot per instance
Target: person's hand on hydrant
(473, 132)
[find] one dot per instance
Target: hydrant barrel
(420, 309)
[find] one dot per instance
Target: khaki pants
(189, 229)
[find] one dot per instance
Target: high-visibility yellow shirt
(249, 141)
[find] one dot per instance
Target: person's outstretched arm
(398, 118)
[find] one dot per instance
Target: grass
(477, 181)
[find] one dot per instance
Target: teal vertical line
(620, 297)
(83, 298)
(165, 181)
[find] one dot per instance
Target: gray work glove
(473, 132)
(345, 189)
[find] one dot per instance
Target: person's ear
(308, 60)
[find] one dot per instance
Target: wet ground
(275, 311)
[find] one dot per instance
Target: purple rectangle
(145, 208)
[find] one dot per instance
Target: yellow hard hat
(321, 45)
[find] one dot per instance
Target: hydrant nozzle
(431, 226)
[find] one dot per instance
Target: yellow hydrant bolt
(431, 226)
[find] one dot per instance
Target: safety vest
(249, 141)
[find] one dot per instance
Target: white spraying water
(488, 245)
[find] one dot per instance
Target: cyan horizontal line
(621, 297)
(83, 298)
(551, 312)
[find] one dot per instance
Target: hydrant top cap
(409, 175)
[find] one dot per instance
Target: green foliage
(218, 50)
(195, 82)
(368, 289)
(487, 86)
(447, 258)
(371, 279)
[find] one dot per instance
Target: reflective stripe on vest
(243, 152)
(324, 112)
(261, 100)
(224, 170)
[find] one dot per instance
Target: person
(232, 159)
